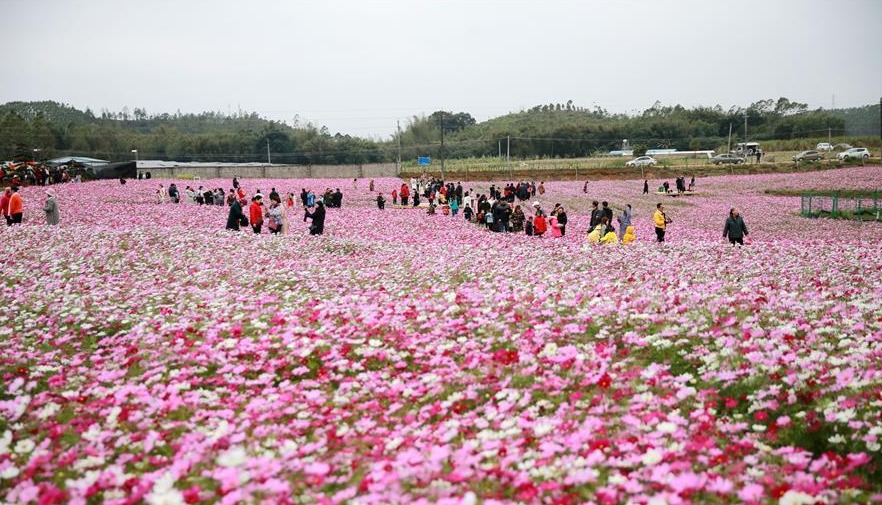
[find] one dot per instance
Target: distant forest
(49, 129)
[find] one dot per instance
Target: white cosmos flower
(164, 492)
(232, 457)
(651, 457)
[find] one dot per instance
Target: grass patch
(841, 193)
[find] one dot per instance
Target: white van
(747, 149)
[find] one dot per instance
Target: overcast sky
(358, 66)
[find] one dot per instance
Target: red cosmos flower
(191, 495)
(604, 381)
(506, 357)
(526, 491)
(761, 415)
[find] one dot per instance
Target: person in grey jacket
(51, 208)
(624, 221)
(735, 228)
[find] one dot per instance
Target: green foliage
(639, 150)
(555, 130)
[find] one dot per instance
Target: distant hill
(53, 112)
(47, 129)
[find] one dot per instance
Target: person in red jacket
(4, 205)
(405, 193)
(540, 225)
(394, 197)
(255, 213)
(16, 207)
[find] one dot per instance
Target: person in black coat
(596, 214)
(607, 212)
(735, 229)
(318, 218)
(236, 216)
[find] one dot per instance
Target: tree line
(47, 129)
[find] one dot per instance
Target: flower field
(150, 356)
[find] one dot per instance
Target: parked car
(855, 153)
(727, 158)
(643, 161)
(824, 146)
(808, 156)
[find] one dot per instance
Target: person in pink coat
(555, 226)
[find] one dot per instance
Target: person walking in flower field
(735, 229)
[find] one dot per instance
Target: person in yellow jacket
(629, 236)
(661, 222)
(610, 238)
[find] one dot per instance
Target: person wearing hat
(255, 213)
(51, 208)
(537, 209)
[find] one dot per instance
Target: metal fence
(867, 208)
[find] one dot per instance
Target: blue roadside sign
(424, 160)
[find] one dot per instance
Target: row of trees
(551, 130)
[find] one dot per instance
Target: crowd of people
(500, 210)
(275, 214)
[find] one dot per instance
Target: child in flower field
(554, 225)
(629, 236)
(381, 202)
(394, 197)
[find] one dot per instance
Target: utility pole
(729, 150)
(398, 165)
(268, 158)
(508, 148)
(744, 151)
(499, 152)
(442, 146)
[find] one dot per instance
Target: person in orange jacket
(255, 213)
(16, 207)
(4, 205)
